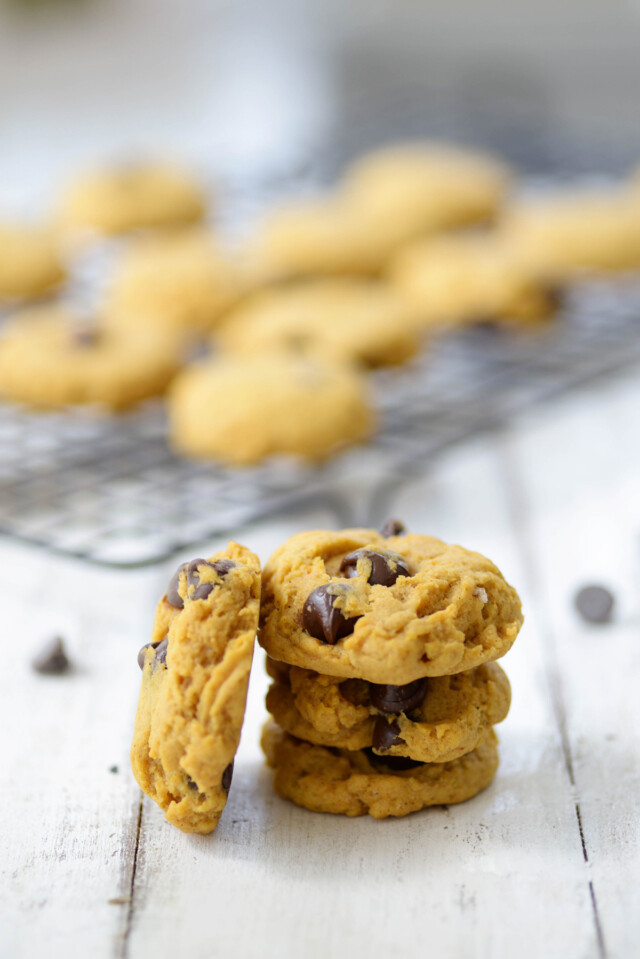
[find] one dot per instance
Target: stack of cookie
(385, 691)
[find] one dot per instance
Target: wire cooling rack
(110, 491)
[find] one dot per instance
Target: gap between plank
(518, 513)
(123, 951)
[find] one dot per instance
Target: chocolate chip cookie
(357, 782)
(391, 610)
(430, 720)
(195, 673)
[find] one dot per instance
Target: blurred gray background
(269, 90)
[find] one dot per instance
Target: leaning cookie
(51, 357)
(131, 196)
(470, 278)
(430, 720)
(359, 320)
(241, 409)
(195, 674)
(355, 783)
(30, 263)
(422, 187)
(355, 604)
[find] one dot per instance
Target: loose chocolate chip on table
(114, 769)
(595, 604)
(161, 652)
(386, 734)
(393, 527)
(385, 568)
(201, 590)
(52, 659)
(392, 763)
(398, 699)
(322, 619)
(227, 776)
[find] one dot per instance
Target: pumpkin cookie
(355, 783)
(424, 187)
(182, 280)
(51, 358)
(463, 279)
(195, 674)
(241, 409)
(132, 196)
(359, 320)
(431, 720)
(357, 604)
(584, 231)
(30, 264)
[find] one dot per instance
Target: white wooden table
(545, 863)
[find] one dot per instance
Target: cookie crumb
(52, 659)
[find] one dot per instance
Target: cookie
(432, 720)
(182, 280)
(325, 236)
(586, 230)
(133, 196)
(195, 674)
(355, 604)
(355, 783)
(471, 278)
(358, 320)
(242, 409)
(51, 358)
(423, 187)
(30, 263)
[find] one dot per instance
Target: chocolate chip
(355, 691)
(191, 783)
(393, 527)
(398, 699)
(227, 776)
(385, 567)
(322, 619)
(161, 652)
(200, 590)
(52, 659)
(393, 763)
(386, 734)
(595, 604)
(85, 336)
(114, 769)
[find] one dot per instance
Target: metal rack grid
(110, 491)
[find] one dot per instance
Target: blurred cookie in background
(119, 198)
(461, 279)
(364, 321)
(242, 409)
(420, 187)
(182, 280)
(50, 358)
(585, 230)
(30, 262)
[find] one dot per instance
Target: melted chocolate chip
(200, 590)
(386, 734)
(191, 783)
(52, 659)
(227, 776)
(595, 604)
(322, 619)
(398, 699)
(385, 567)
(393, 527)
(393, 763)
(161, 652)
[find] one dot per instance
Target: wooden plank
(503, 874)
(580, 523)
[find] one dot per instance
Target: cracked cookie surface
(368, 619)
(447, 716)
(195, 674)
(355, 783)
